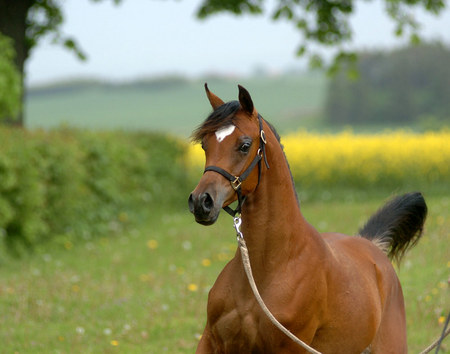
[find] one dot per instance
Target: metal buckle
(263, 136)
(236, 183)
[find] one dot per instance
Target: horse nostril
(207, 202)
(191, 203)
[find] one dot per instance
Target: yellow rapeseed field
(393, 158)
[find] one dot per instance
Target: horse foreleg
(205, 344)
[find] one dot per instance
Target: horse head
(231, 138)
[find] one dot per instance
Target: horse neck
(273, 226)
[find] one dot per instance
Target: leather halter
(236, 181)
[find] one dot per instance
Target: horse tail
(398, 225)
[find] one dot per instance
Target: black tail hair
(398, 225)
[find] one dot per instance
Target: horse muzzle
(205, 207)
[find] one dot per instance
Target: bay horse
(337, 293)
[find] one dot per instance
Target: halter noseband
(236, 181)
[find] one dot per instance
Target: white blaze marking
(222, 133)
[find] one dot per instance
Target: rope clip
(237, 226)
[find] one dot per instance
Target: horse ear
(213, 99)
(245, 100)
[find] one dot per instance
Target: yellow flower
(114, 343)
(441, 320)
(359, 158)
(206, 262)
(222, 256)
(192, 287)
(180, 270)
(75, 288)
(144, 278)
(152, 244)
(123, 217)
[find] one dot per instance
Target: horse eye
(245, 147)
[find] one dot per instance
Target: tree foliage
(326, 22)
(44, 18)
(10, 81)
(406, 85)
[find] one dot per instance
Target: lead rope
(248, 271)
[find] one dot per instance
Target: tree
(25, 22)
(323, 22)
(10, 88)
(404, 86)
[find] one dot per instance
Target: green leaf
(315, 62)
(301, 51)
(70, 44)
(415, 39)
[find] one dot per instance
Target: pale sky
(144, 38)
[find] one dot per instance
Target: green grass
(145, 291)
(177, 108)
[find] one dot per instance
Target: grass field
(145, 291)
(177, 108)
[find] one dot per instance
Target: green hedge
(74, 183)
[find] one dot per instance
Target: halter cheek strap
(236, 181)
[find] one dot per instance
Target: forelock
(220, 117)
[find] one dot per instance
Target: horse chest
(239, 325)
(237, 331)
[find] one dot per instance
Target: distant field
(176, 106)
